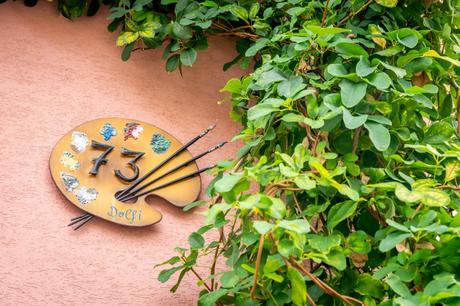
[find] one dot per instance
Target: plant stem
(198, 276)
(213, 266)
(310, 300)
(256, 273)
(449, 187)
(325, 287)
(326, 8)
(353, 14)
(356, 139)
(458, 113)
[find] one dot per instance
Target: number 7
(101, 159)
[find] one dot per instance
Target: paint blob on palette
(133, 130)
(94, 162)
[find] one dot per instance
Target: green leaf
(314, 124)
(232, 86)
(321, 31)
(290, 87)
(227, 182)
(139, 4)
(407, 37)
(323, 244)
(435, 198)
(194, 204)
(127, 52)
(126, 38)
(274, 262)
(210, 298)
(398, 226)
(262, 227)
(439, 132)
(358, 243)
(195, 240)
(340, 212)
(172, 63)
(259, 45)
(351, 49)
(171, 261)
(380, 80)
(277, 209)
(369, 286)
(188, 57)
(440, 285)
(336, 259)
(352, 93)
(229, 279)
(400, 73)
(180, 31)
(269, 77)
(398, 286)
(352, 122)
(363, 68)
(298, 287)
(239, 11)
(254, 10)
(405, 195)
(261, 110)
(179, 280)
(304, 182)
(452, 170)
(391, 240)
(292, 117)
(276, 277)
(379, 135)
(379, 119)
(299, 226)
(165, 275)
(387, 3)
(433, 53)
(337, 70)
(419, 64)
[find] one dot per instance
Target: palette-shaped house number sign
(107, 167)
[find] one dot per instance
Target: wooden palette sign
(100, 165)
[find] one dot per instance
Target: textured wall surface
(54, 75)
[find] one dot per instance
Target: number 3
(131, 163)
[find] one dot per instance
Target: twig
(353, 14)
(449, 187)
(297, 204)
(375, 213)
(213, 266)
(259, 256)
(356, 139)
(458, 113)
(326, 8)
(310, 300)
(237, 34)
(198, 276)
(325, 287)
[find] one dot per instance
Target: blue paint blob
(107, 131)
(159, 144)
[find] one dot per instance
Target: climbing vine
(346, 189)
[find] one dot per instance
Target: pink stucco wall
(54, 75)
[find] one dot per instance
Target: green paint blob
(159, 144)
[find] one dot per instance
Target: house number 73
(102, 160)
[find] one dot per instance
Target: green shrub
(350, 145)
